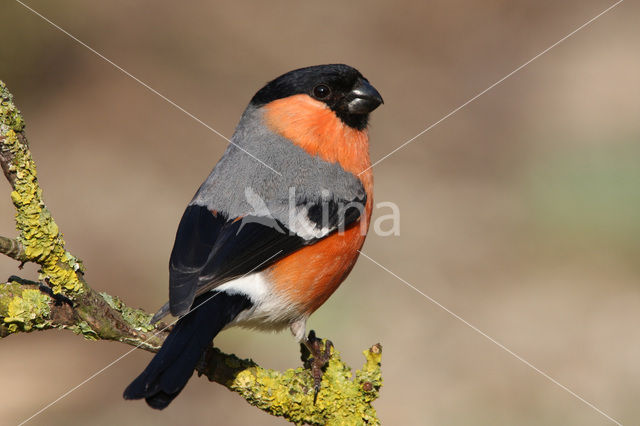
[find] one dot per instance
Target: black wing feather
(211, 249)
(197, 233)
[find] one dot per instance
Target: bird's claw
(318, 357)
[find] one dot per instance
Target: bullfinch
(263, 244)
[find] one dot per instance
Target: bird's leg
(315, 355)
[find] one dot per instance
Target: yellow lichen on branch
(63, 299)
(38, 233)
(342, 400)
(25, 308)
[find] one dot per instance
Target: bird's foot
(315, 355)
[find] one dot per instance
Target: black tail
(172, 367)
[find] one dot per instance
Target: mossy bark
(342, 399)
(64, 300)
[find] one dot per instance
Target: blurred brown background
(520, 213)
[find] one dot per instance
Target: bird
(277, 225)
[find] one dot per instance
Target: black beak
(363, 98)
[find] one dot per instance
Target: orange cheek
(311, 125)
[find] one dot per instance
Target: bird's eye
(321, 91)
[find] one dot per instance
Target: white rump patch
(270, 310)
(255, 286)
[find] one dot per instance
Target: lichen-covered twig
(70, 303)
(343, 399)
(12, 248)
(40, 241)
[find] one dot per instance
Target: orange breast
(309, 276)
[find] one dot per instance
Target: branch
(12, 248)
(66, 301)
